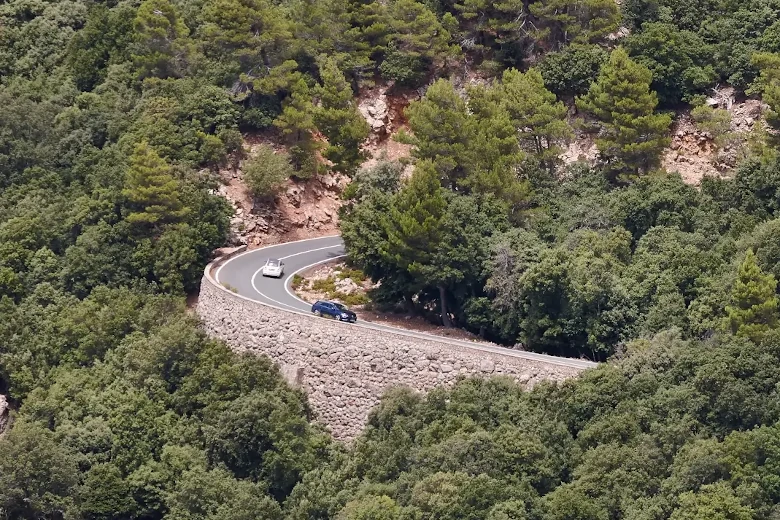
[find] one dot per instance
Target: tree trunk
(445, 318)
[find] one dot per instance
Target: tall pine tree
(443, 132)
(538, 117)
(632, 135)
(161, 45)
(754, 308)
(339, 121)
(296, 122)
(414, 228)
(151, 191)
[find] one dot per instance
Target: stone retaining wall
(346, 368)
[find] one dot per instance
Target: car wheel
(317, 313)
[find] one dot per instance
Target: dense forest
(115, 117)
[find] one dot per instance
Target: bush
(355, 274)
(266, 170)
(297, 281)
(715, 121)
(324, 285)
(571, 71)
(405, 68)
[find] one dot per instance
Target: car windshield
(273, 263)
(340, 307)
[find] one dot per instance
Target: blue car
(334, 310)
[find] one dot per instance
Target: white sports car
(273, 268)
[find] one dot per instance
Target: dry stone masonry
(345, 369)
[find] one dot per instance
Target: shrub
(266, 170)
(405, 68)
(715, 121)
(324, 285)
(297, 281)
(355, 274)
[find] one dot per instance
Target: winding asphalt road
(242, 273)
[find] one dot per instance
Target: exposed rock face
(4, 412)
(345, 369)
(375, 111)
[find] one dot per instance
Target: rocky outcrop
(373, 107)
(345, 369)
(4, 413)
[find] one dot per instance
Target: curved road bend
(242, 272)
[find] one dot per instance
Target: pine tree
(768, 84)
(151, 190)
(417, 40)
(245, 36)
(486, 23)
(497, 154)
(537, 115)
(296, 122)
(562, 22)
(161, 43)
(414, 228)
(339, 121)
(754, 309)
(443, 132)
(632, 135)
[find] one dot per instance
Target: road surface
(242, 274)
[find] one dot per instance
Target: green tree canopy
(754, 308)
(152, 192)
(632, 135)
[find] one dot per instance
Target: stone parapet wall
(345, 368)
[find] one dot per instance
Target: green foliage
(160, 48)
(536, 115)
(571, 71)
(104, 40)
(442, 131)
(416, 41)
(768, 84)
(714, 121)
(385, 177)
(586, 21)
(152, 192)
(38, 476)
(296, 123)
(632, 135)
(678, 60)
(473, 144)
(754, 308)
(339, 121)
(265, 171)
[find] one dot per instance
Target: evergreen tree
(414, 228)
(417, 40)
(296, 123)
(497, 154)
(339, 121)
(561, 22)
(487, 24)
(632, 135)
(250, 37)
(754, 309)
(161, 45)
(768, 84)
(538, 117)
(152, 192)
(443, 132)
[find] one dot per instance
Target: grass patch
(297, 282)
(324, 285)
(355, 274)
(229, 287)
(352, 299)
